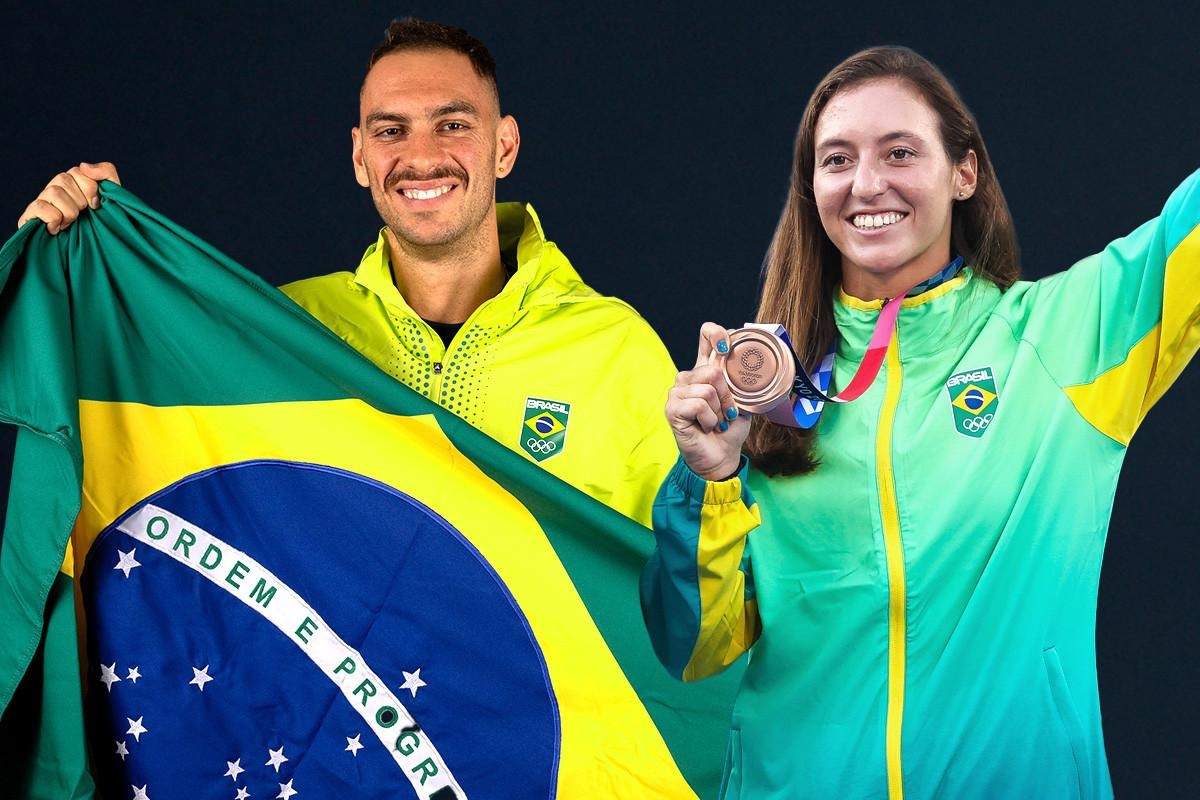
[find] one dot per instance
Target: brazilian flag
(240, 561)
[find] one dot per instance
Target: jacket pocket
(1065, 708)
(731, 781)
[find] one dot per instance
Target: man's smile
(427, 194)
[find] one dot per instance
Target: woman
(915, 578)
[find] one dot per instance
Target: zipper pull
(437, 368)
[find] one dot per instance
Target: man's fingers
(68, 200)
(89, 189)
(101, 171)
(46, 212)
(68, 193)
(65, 191)
(58, 205)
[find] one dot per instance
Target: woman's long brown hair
(803, 268)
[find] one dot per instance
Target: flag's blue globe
(270, 628)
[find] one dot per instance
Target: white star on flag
(286, 790)
(136, 729)
(235, 769)
(122, 750)
(108, 676)
(277, 758)
(134, 674)
(242, 794)
(354, 745)
(127, 562)
(412, 681)
(201, 677)
(139, 793)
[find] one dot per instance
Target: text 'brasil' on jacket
(922, 606)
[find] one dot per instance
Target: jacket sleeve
(1116, 329)
(644, 385)
(698, 588)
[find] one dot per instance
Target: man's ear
(356, 155)
(508, 142)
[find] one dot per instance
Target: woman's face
(885, 188)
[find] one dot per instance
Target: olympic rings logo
(541, 445)
(976, 424)
(753, 359)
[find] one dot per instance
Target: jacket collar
(934, 320)
(521, 240)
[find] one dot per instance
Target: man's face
(429, 146)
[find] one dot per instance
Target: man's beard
(410, 233)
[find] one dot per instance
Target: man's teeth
(426, 194)
(876, 220)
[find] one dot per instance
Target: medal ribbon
(809, 392)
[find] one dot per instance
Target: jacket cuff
(699, 490)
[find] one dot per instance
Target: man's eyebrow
(449, 109)
(386, 116)
(455, 107)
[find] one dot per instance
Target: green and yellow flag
(240, 561)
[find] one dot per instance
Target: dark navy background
(408, 593)
(656, 145)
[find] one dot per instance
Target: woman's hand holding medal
(702, 414)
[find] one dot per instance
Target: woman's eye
(900, 153)
(837, 160)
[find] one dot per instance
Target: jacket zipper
(437, 367)
(893, 544)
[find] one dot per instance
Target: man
(464, 300)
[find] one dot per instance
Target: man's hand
(69, 193)
(707, 426)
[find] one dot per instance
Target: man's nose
(423, 152)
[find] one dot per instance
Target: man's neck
(447, 284)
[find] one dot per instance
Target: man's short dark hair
(421, 34)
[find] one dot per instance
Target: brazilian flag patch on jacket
(973, 399)
(544, 428)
